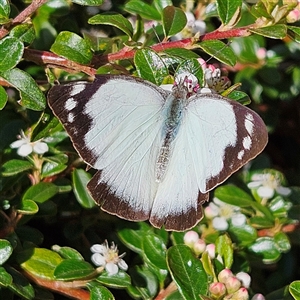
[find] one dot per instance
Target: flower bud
(199, 247)
(232, 284)
(217, 289)
(244, 278)
(190, 238)
(258, 297)
(224, 275)
(211, 249)
(241, 294)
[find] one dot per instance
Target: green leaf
(4, 11)
(294, 33)
(219, 51)
(243, 235)
(28, 207)
(67, 252)
(143, 9)
(11, 52)
(51, 168)
(5, 251)
(41, 192)
(260, 222)
(187, 271)
(133, 237)
(144, 283)
(282, 242)
(192, 66)
(161, 4)
(294, 289)
(100, 292)
(266, 249)
(5, 278)
(80, 178)
(155, 251)
(224, 247)
(119, 280)
(227, 10)
(113, 19)
(40, 262)
(174, 20)
(31, 96)
(29, 234)
(150, 66)
(279, 206)
(239, 96)
(235, 196)
(88, 2)
(277, 31)
(20, 284)
(24, 33)
(73, 269)
(72, 47)
(3, 97)
(15, 166)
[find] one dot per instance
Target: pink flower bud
(190, 238)
(217, 289)
(293, 16)
(261, 53)
(211, 249)
(224, 275)
(232, 285)
(241, 294)
(199, 246)
(258, 297)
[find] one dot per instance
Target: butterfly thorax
(175, 105)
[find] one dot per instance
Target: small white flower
(267, 184)
(222, 214)
(26, 147)
(108, 257)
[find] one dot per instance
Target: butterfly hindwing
(233, 135)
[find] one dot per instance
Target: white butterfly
(157, 153)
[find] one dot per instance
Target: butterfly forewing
(118, 126)
(115, 123)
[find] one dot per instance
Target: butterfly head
(188, 81)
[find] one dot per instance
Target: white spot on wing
(247, 142)
(240, 154)
(249, 123)
(70, 118)
(70, 104)
(77, 88)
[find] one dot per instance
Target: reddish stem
(53, 60)
(60, 287)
